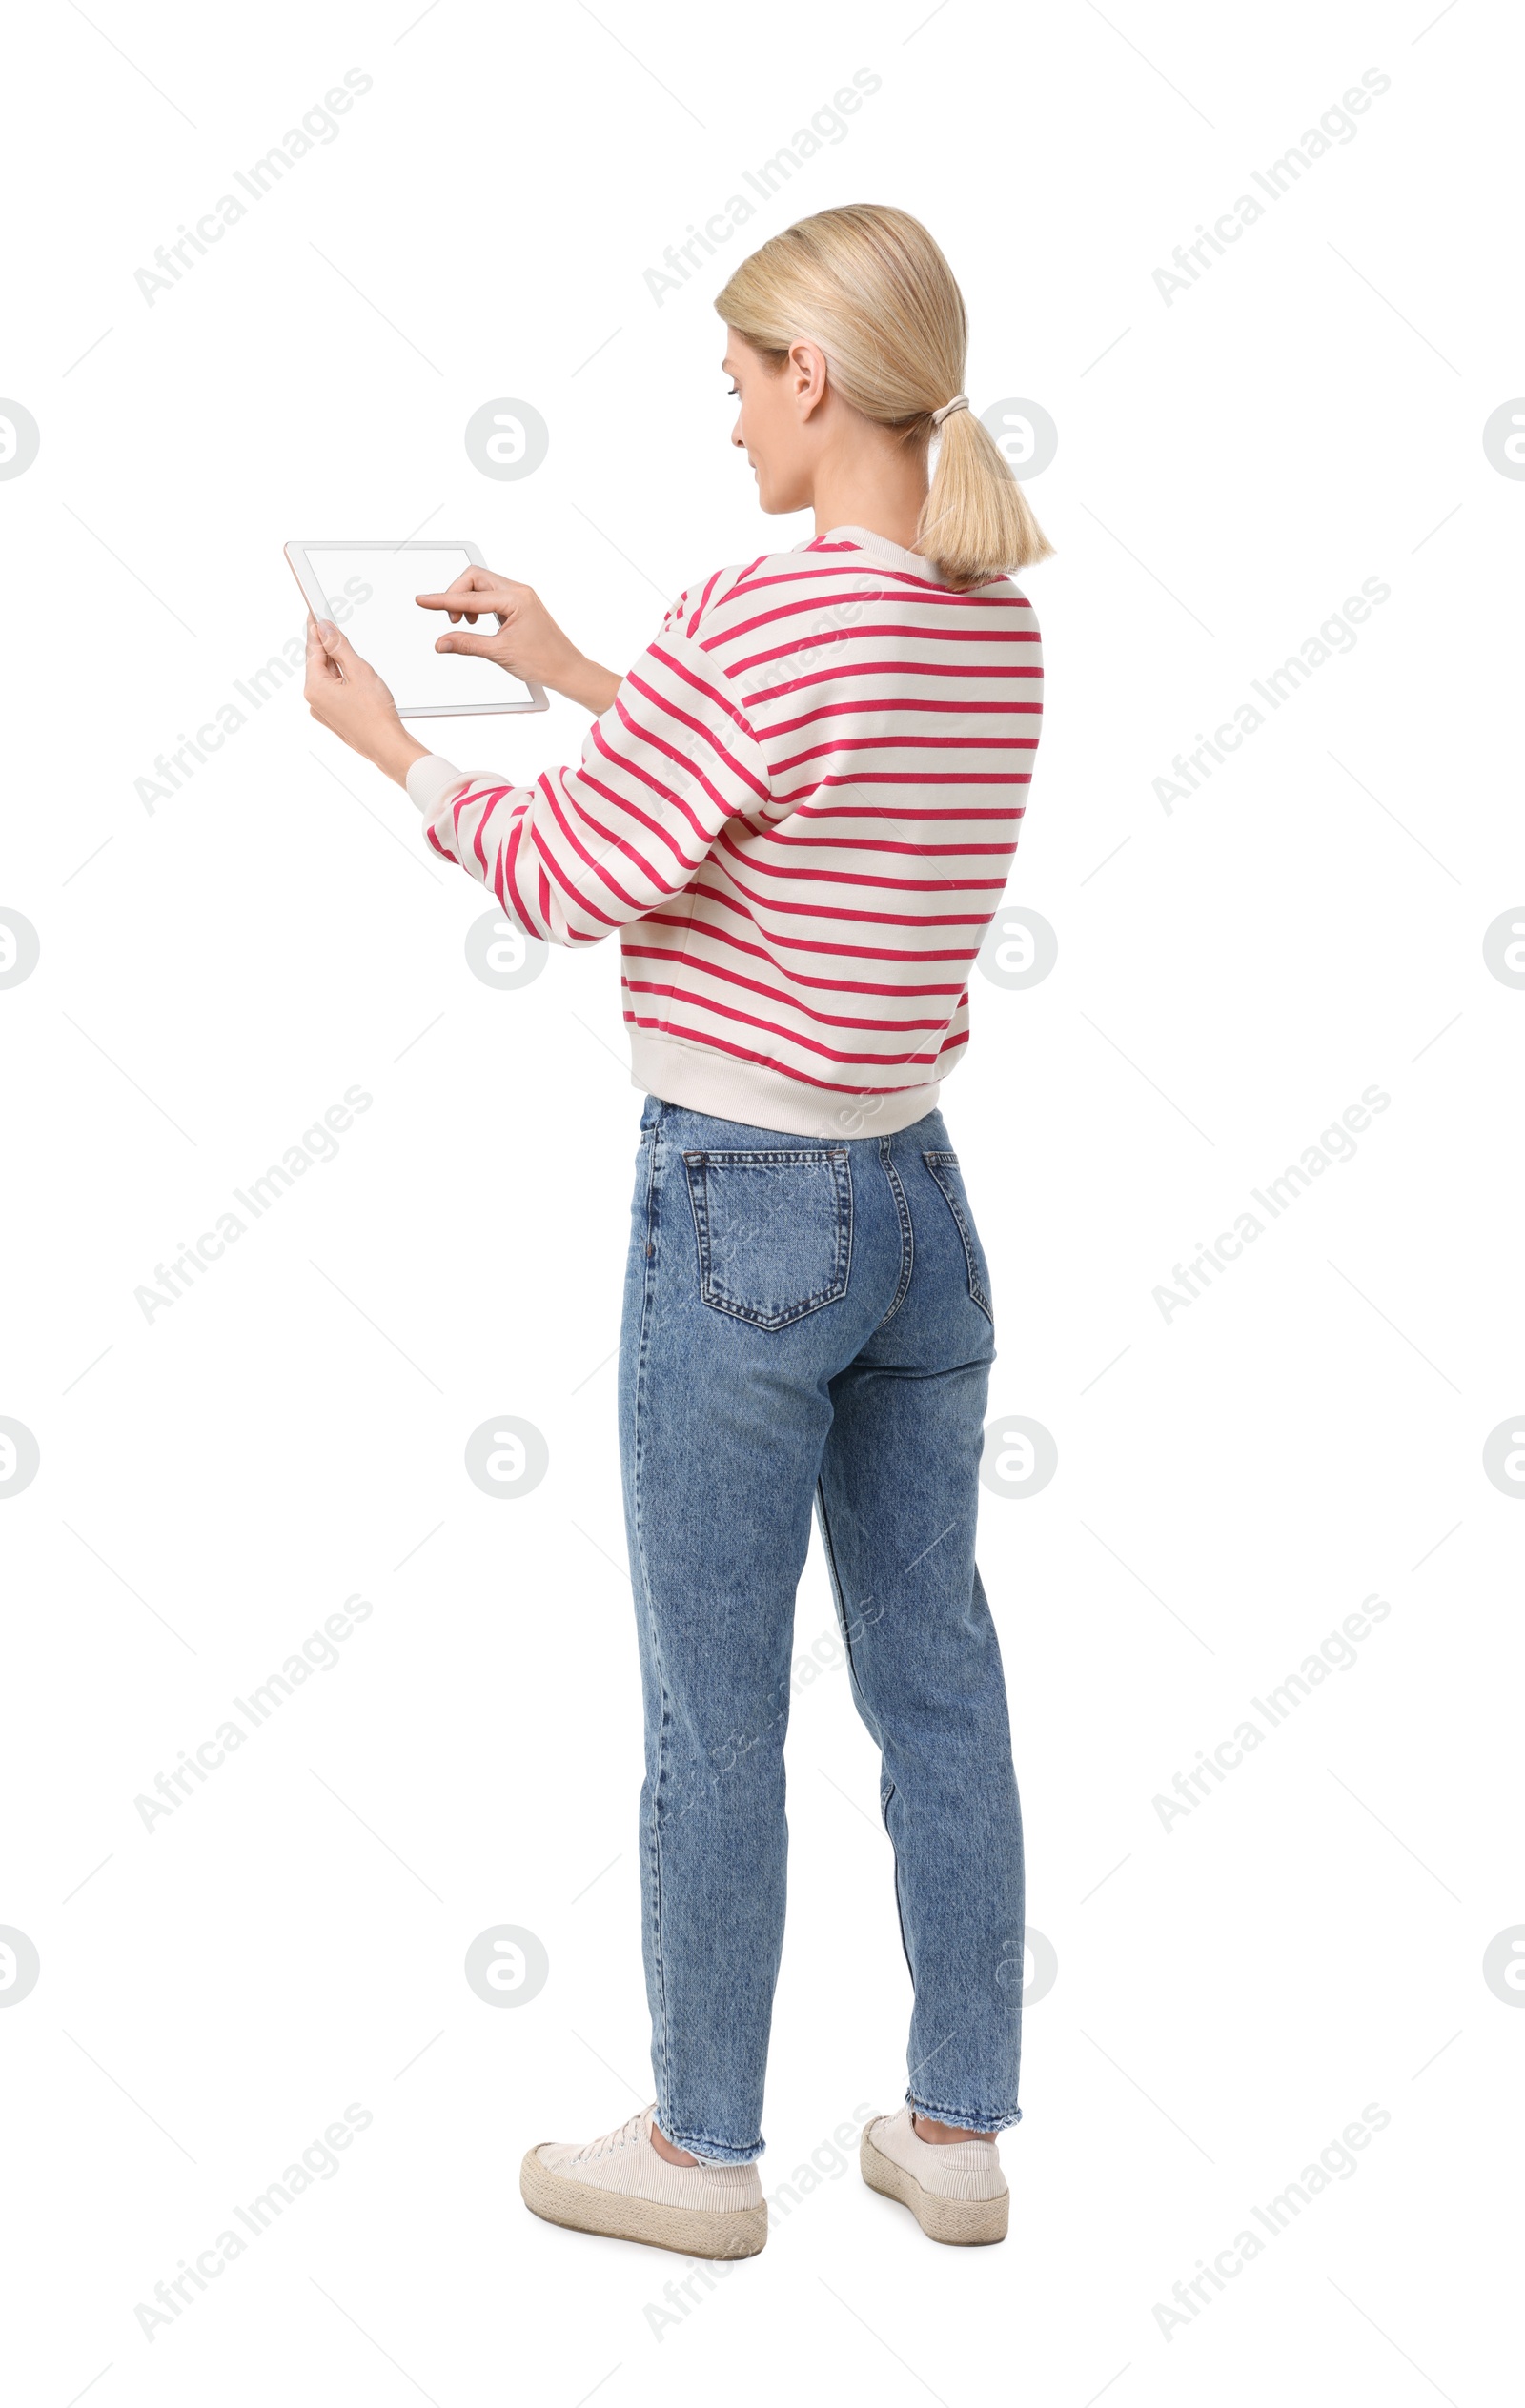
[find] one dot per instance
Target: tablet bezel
(315, 594)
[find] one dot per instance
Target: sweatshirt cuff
(429, 780)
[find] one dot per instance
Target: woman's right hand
(529, 644)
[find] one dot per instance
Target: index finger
(456, 603)
(452, 602)
(471, 580)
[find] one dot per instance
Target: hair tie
(960, 402)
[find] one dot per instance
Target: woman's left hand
(345, 694)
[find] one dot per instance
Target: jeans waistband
(704, 1128)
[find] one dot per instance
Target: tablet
(369, 590)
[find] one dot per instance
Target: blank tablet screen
(371, 597)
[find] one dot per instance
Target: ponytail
(870, 286)
(976, 521)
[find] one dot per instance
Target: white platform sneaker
(619, 2186)
(955, 2189)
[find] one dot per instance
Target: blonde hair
(870, 286)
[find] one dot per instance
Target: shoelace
(621, 2138)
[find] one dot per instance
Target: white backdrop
(197, 963)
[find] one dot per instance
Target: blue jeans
(807, 1324)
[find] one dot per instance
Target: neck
(883, 492)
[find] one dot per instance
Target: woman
(799, 811)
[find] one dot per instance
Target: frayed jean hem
(964, 2120)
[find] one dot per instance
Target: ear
(807, 376)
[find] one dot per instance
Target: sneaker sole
(694, 2232)
(964, 2223)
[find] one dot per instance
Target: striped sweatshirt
(799, 812)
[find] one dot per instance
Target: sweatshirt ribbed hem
(701, 1080)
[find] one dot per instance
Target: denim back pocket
(944, 1169)
(774, 1229)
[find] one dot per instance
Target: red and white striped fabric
(798, 812)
